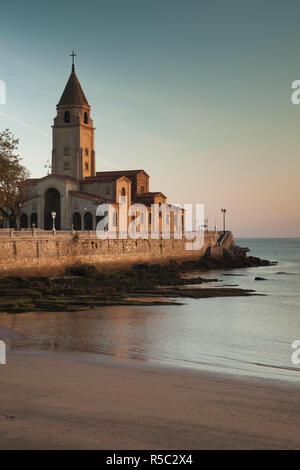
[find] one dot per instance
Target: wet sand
(51, 400)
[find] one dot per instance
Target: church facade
(74, 189)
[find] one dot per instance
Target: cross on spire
(73, 55)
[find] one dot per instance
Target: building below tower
(74, 189)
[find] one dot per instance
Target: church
(74, 189)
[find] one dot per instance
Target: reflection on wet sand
(121, 332)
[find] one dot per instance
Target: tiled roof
(147, 198)
(36, 180)
(113, 175)
(90, 179)
(149, 195)
(90, 196)
(119, 173)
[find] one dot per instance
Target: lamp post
(48, 167)
(53, 219)
(224, 212)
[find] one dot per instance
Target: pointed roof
(73, 94)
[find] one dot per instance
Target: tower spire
(73, 127)
(73, 55)
(73, 94)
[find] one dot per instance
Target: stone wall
(48, 254)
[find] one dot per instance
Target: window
(76, 221)
(67, 165)
(86, 151)
(33, 219)
(23, 221)
(142, 189)
(86, 165)
(88, 221)
(67, 117)
(66, 151)
(86, 118)
(106, 225)
(123, 192)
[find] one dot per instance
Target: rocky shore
(234, 258)
(83, 287)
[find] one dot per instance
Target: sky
(196, 93)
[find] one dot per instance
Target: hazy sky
(195, 92)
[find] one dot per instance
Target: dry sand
(54, 400)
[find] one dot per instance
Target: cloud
(110, 165)
(25, 124)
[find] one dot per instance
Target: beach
(53, 400)
(212, 373)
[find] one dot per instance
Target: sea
(242, 336)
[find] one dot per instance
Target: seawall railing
(6, 233)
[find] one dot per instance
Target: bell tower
(73, 151)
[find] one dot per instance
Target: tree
(13, 176)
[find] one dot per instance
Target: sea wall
(44, 253)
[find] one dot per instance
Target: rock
(85, 270)
(260, 279)
(238, 249)
(140, 266)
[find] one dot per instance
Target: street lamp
(53, 219)
(48, 167)
(224, 212)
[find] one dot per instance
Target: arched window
(33, 219)
(123, 192)
(175, 221)
(115, 220)
(77, 221)
(23, 221)
(101, 217)
(88, 221)
(86, 118)
(13, 223)
(142, 189)
(106, 225)
(67, 117)
(51, 204)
